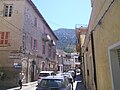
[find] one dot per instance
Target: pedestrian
(21, 77)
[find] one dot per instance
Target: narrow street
(77, 85)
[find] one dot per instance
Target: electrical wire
(11, 24)
(10, 28)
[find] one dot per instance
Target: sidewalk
(25, 84)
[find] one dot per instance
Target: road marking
(75, 84)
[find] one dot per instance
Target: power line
(11, 29)
(21, 30)
(11, 24)
(56, 24)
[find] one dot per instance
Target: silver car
(54, 83)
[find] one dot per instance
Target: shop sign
(14, 55)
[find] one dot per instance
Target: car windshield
(44, 74)
(48, 83)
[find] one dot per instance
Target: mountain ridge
(67, 39)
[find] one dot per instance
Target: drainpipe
(93, 56)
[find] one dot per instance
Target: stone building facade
(27, 43)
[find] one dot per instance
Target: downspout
(93, 56)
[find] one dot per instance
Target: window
(35, 22)
(8, 10)
(35, 44)
(31, 42)
(4, 36)
(49, 51)
(54, 54)
(43, 49)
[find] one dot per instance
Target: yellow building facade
(102, 46)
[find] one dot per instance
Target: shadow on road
(80, 85)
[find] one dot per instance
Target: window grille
(8, 10)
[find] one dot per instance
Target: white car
(43, 74)
(54, 83)
(66, 74)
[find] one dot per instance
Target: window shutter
(36, 44)
(2, 38)
(31, 42)
(6, 37)
(2, 35)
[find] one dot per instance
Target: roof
(46, 71)
(39, 14)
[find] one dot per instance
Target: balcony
(46, 37)
(52, 43)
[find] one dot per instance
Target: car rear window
(52, 83)
(44, 74)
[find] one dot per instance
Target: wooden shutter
(4, 38)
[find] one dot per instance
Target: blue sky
(64, 13)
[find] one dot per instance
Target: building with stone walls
(60, 57)
(27, 43)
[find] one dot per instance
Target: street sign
(18, 66)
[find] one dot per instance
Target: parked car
(69, 76)
(54, 83)
(43, 74)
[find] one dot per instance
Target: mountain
(67, 39)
